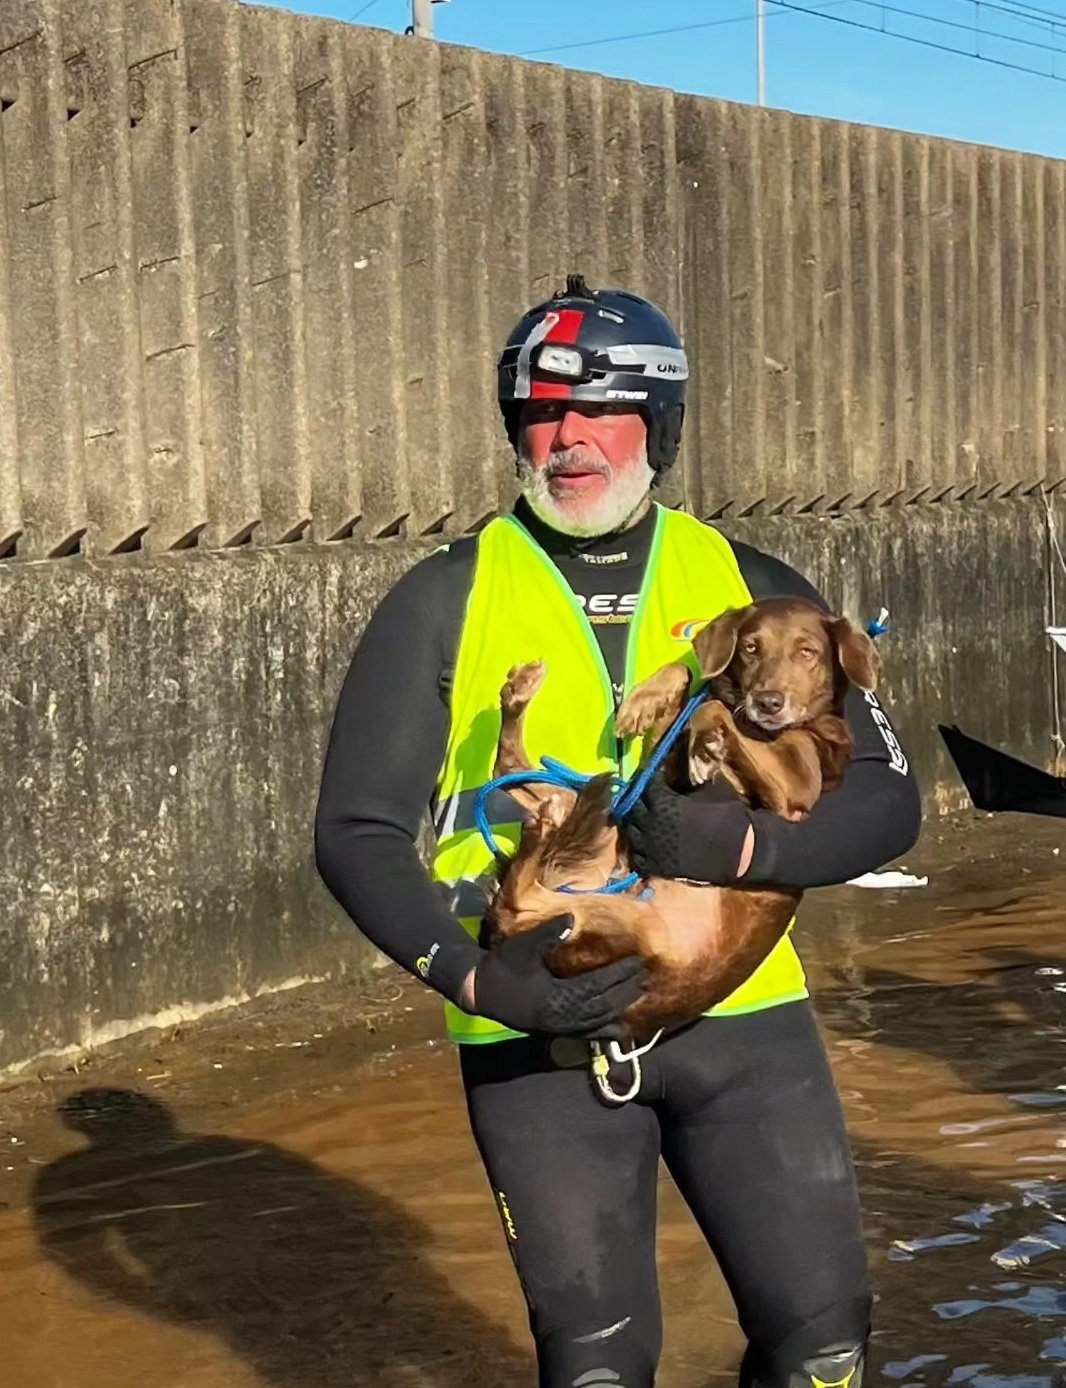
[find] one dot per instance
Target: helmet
(598, 344)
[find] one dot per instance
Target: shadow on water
(310, 1279)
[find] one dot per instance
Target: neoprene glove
(690, 836)
(514, 986)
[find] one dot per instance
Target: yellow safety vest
(520, 609)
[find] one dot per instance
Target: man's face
(583, 467)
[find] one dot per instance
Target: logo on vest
(606, 608)
(686, 630)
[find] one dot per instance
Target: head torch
(566, 363)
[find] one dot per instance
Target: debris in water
(888, 879)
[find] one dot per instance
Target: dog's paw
(655, 699)
(523, 681)
(706, 753)
(637, 713)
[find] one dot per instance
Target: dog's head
(783, 661)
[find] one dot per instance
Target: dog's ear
(716, 644)
(855, 653)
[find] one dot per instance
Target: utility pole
(422, 18)
(760, 48)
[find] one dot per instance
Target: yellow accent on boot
(832, 1363)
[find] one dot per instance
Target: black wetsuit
(742, 1108)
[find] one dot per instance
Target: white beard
(585, 519)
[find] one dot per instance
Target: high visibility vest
(520, 609)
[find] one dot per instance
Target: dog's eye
(750, 646)
(807, 653)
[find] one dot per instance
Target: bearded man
(591, 575)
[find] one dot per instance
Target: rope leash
(558, 774)
(626, 795)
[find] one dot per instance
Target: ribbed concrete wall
(254, 270)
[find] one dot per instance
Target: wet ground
(288, 1196)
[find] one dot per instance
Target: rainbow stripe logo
(686, 630)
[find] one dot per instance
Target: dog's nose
(769, 702)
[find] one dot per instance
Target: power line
(931, 19)
(656, 33)
(821, 12)
(929, 43)
(359, 14)
(1030, 14)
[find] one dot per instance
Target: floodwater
(288, 1197)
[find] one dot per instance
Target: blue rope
(554, 774)
(620, 884)
(628, 796)
(557, 773)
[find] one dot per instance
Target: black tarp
(997, 781)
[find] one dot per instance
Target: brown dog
(778, 672)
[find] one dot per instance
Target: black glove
(513, 986)
(691, 836)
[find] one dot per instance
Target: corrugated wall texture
(254, 271)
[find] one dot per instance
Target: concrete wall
(164, 728)
(165, 719)
(254, 270)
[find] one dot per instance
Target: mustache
(575, 460)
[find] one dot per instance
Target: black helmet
(598, 344)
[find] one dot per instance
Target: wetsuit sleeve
(873, 816)
(385, 750)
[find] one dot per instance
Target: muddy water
(284, 1198)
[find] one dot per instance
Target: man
(589, 575)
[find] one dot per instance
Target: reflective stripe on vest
(521, 609)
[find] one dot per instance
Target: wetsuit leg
(754, 1136)
(575, 1184)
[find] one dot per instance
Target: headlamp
(561, 361)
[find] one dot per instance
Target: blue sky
(818, 66)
